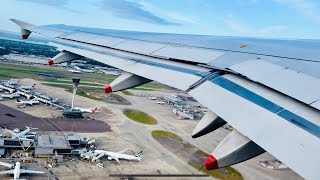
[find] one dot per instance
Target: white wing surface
(25, 171)
(7, 172)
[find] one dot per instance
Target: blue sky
(258, 18)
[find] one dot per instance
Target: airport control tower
(72, 113)
(76, 82)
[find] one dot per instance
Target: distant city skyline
(254, 18)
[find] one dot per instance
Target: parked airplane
(31, 102)
(17, 171)
(74, 71)
(22, 135)
(84, 110)
(118, 155)
(27, 87)
(153, 98)
(266, 89)
(11, 96)
(160, 102)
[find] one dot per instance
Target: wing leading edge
(220, 74)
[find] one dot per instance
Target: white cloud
(305, 7)
(236, 26)
(247, 30)
(273, 29)
(180, 17)
(171, 15)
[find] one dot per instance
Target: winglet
(25, 28)
(22, 24)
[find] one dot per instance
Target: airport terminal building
(47, 145)
(43, 145)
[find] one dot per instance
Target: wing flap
(11, 132)
(296, 85)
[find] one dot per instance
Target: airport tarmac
(135, 136)
(12, 118)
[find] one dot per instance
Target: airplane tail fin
(139, 155)
(29, 127)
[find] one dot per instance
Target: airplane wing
(25, 171)
(11, 132)
(115, 158)
(266, 89)
(7, 172)
(6, 164)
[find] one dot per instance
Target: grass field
(139, 116)
(17, 74)
(69, 82)
(30, 68)
(159, 133)
(63, 76)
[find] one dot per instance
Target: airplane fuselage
(21, 134)
(29, 102)
(16, 174)
(118, 155)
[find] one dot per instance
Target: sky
(254, 18)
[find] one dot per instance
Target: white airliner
(119, 155)
(28, 87)
(11, 96)
(84, 110)
(160, 102)
(266, 89)
(153, 98)
(17, 171)
(22, 135)
(31, 102)
(74, 71)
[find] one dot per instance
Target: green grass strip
(139, 116)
